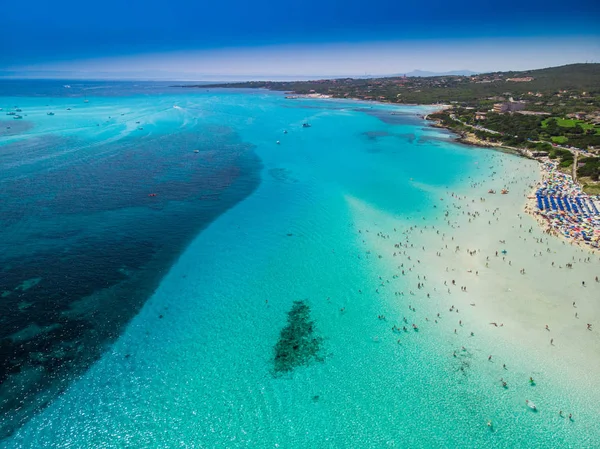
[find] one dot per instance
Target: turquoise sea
(147, 272)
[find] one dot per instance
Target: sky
(252, 39)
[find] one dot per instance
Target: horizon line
(181, 77)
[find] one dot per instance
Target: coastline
(505, 309)
(289, 96)
(574, 360)
(468, 138)
(196, 357)
(530, 207)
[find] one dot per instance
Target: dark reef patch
(462, 365)
(14, 127)
(392, 117)
(409, 137)
(298, 343)
(298, 105)
(282, 175)
(432, 140)
(88, 245)
(374, 135)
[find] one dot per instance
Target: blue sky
(330, 38)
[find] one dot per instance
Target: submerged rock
(298, 343)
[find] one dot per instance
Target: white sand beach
(469, 270)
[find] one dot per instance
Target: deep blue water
(83, 243)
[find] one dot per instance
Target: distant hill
(444, 88)
(571, 76)
(422, 73)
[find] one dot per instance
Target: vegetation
(590, 189)
(559, 153)
(589, 167)
(571, 123)
(576, 132)
(525, 131)
(570, 87)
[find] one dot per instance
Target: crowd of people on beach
(411, 258)
(565, 209)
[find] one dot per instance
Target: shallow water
(194, 366)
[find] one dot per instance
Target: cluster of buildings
(509, 106)
(503, 107)
(524, 79)
(489, 78)
(494, 77)
(590, 117)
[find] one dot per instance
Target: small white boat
(66, 86)
(530, 404)
(278, 142)
(50, 113)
